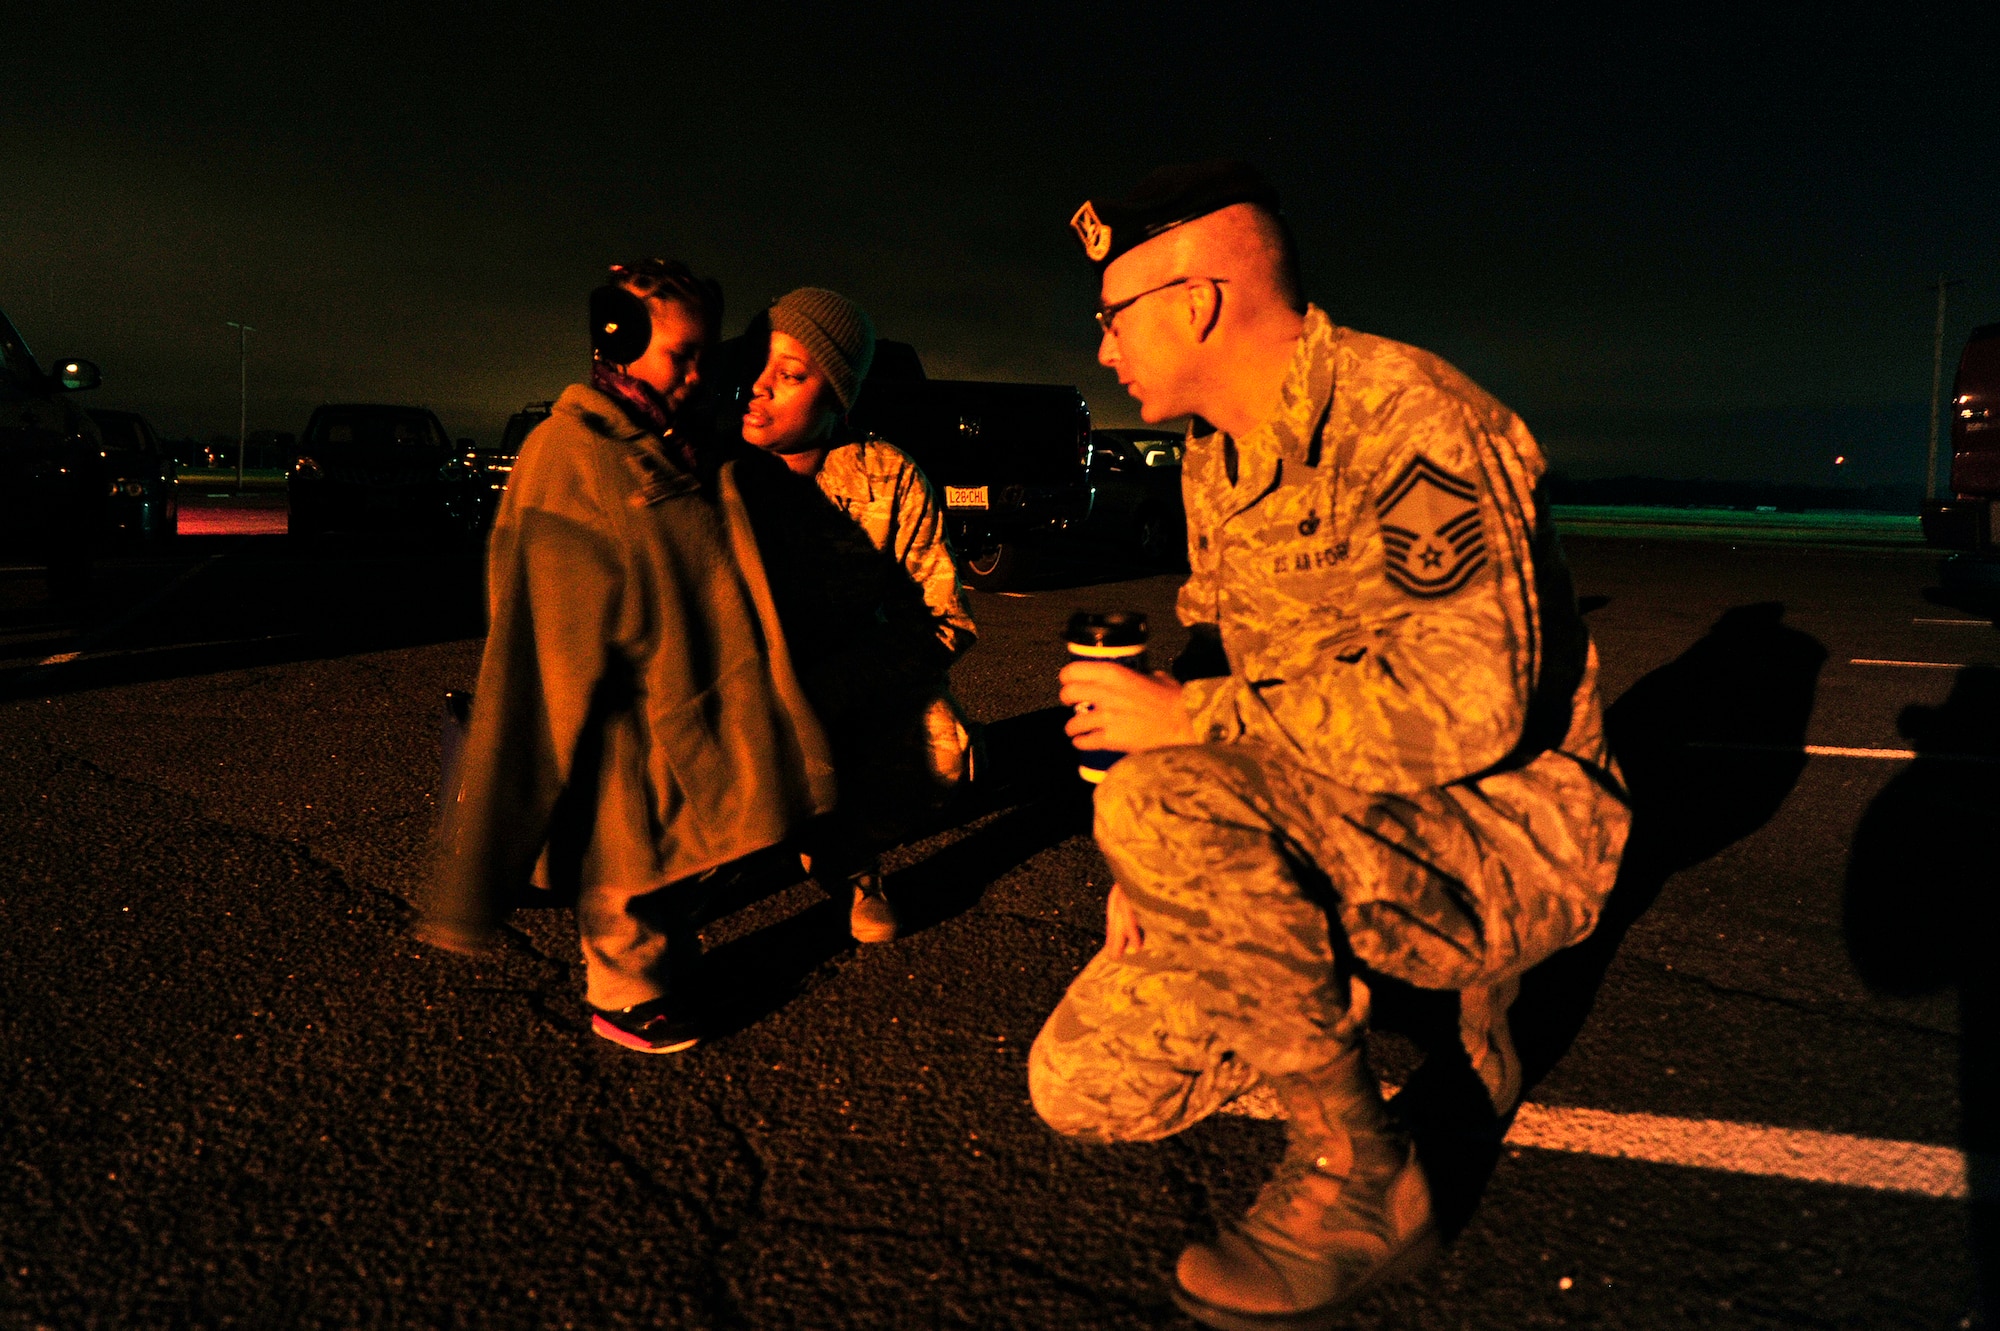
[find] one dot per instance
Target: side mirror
(73, 376)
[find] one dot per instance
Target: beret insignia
(1165, 199)
(1432, 535)
(1096, 236)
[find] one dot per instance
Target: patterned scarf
(647, 406)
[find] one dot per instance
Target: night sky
(1676, 250)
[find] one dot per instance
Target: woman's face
(792, 406)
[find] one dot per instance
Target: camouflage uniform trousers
(1234, 861)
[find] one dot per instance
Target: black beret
(1164, 200)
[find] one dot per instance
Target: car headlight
(133, 489)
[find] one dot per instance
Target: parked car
(140, 473)
(52, 475)
(381, 468)
(1135, 491)
(1965, 520)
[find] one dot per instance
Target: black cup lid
(1113, 628)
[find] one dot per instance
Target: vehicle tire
(992, 566)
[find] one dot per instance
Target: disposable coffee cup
(1118, 636)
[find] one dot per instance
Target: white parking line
(1746, 1148)
(1970, 623)
(1874, 1163)
(1909, 665)
(1810, 750)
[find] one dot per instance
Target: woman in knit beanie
(867, 587)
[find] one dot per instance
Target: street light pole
(1937, 379)
(243, 332)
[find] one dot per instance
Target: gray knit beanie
(835, 331)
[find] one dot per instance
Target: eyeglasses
(1108, 314)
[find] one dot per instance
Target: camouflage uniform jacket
(889, 498)
(885, 622)
(1396, 611)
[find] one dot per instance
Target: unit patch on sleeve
(1431, 532)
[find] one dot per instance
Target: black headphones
(620, 327)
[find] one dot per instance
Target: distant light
(1837, 461)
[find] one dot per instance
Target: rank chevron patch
(1432, 535)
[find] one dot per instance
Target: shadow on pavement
(753, 976)
(1029, 781)
(1024, 758)
(1029, 771)
(1711, 745)
(749, 978)
(951, 882)
(1921, 913)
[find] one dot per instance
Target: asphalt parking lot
(241, 1095)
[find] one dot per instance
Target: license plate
(965, 496)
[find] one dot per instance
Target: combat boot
(1347, 1210)
(871, 919)
(1489, 1040)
